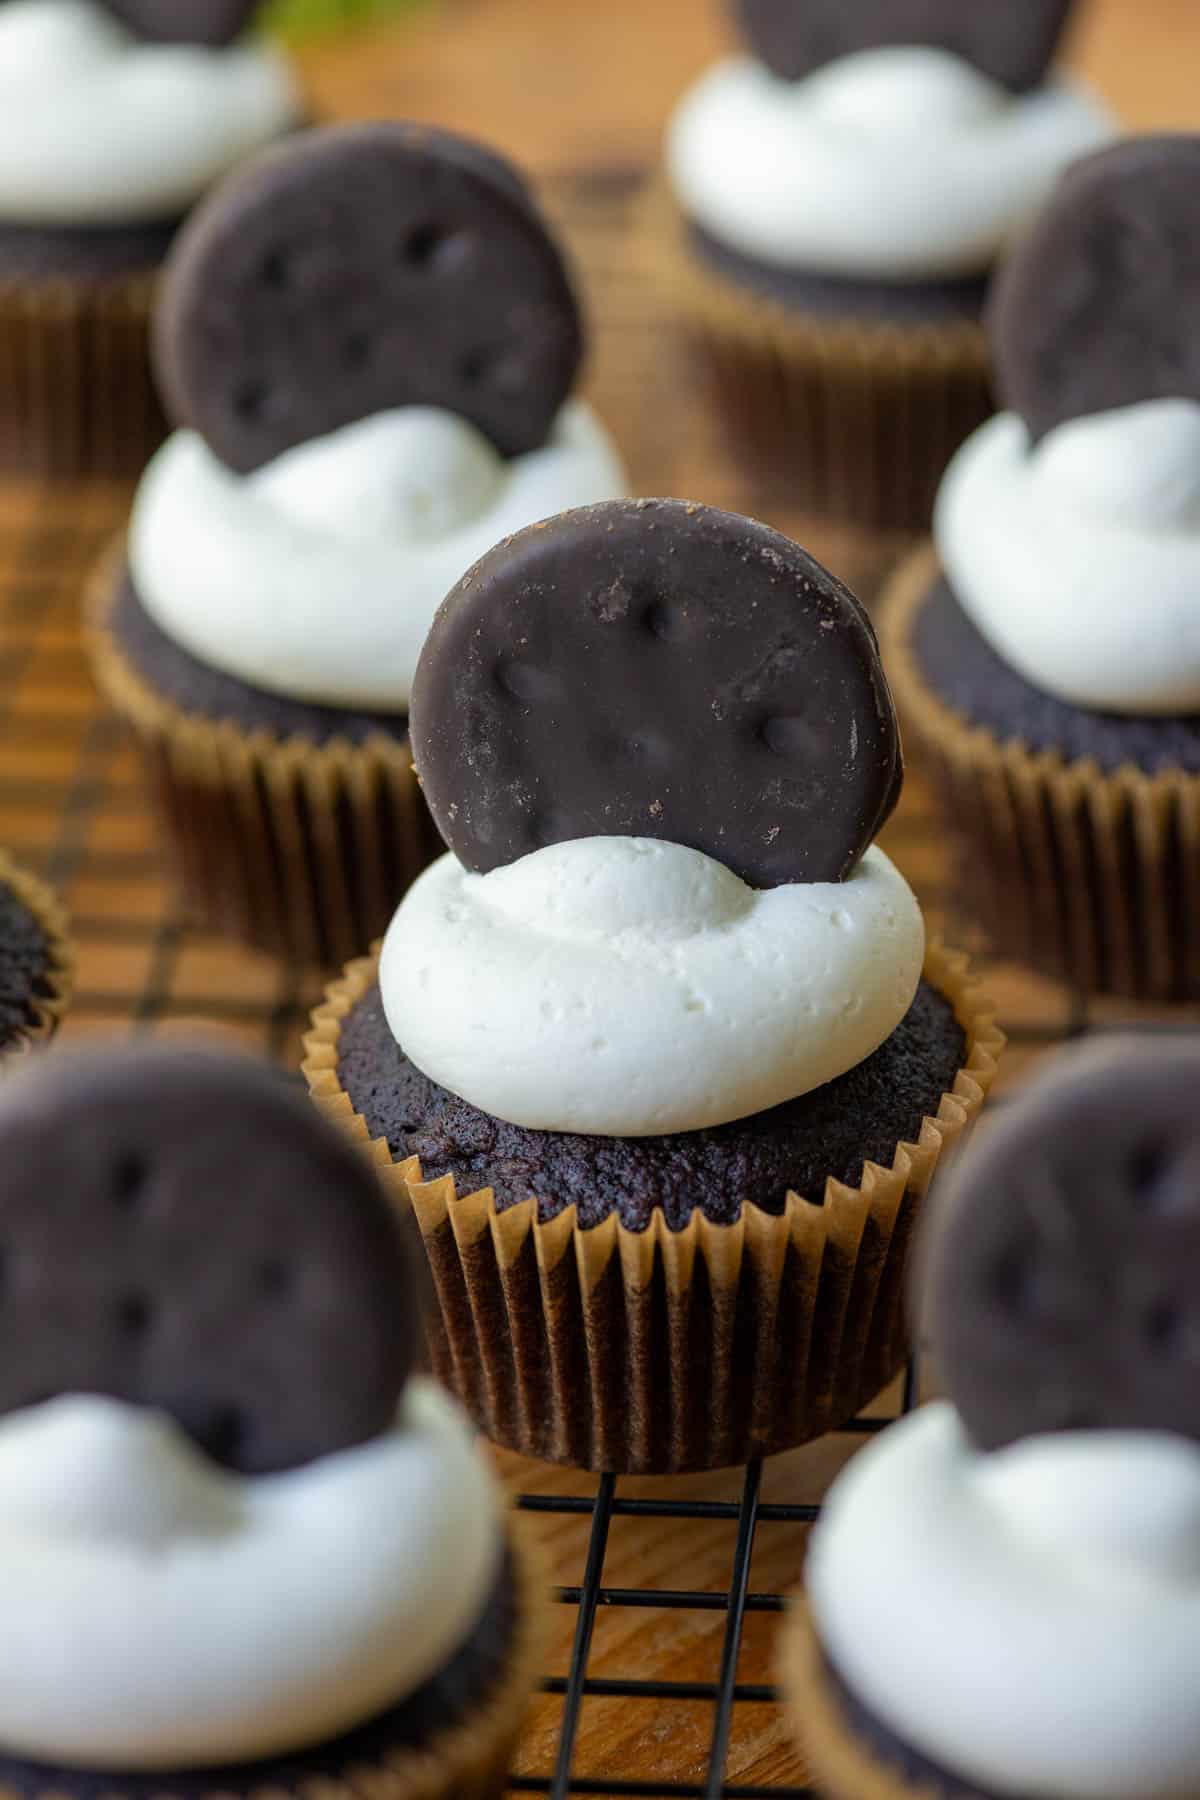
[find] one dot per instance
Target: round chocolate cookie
(359, 268)
(180, 1230)
(654, 668)
(1062, 1271)
(1012, 41)
(1096, 308)
(212, 22)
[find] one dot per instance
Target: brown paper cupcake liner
(298, 848)
(1091, 878)
(842, 1768)
(468, 1761)
(76, 392)
(858, 419)
(658, 1351)
(53, 995)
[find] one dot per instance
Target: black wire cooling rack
(735, 1602)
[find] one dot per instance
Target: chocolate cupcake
(832, 204)
(1002, 1589)
(1046, 658)
(368, 341)
(36, 962)
(657, 1053)
(115, 117)
(245, 1547)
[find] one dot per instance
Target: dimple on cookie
(1061, 1276)
(358, 269)
(657, 669)
(1096, 307)
(1012, 41)
(179, 1230)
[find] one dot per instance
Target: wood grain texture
(570, 82)
(578, 91)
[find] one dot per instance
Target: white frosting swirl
(1030, 1619)
(901, 164)
(161, 1613)
(1079, 560)
(318, 576)
(626, 986)
(98, 127)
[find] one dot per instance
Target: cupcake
(832, 204)
(246, 1549)
(1002, 1589)
(368, 341)
(115, 116)
(36, 962)
(657, 1053)
(1046, 655)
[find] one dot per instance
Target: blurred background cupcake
(1046, 657)
(1002, 1593)
(833, 202)
(369, 342)
(115, 117)
(245, 1546)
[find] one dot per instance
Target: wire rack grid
(734, 1603)
(659, 1680)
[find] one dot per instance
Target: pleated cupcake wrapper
(1091, 877)
(299, 848)
(76, 393)
(470, 1760)
(859, 420)
(657, 1350)
(50, 1002)
(840, 1766)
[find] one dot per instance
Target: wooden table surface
(578, 92)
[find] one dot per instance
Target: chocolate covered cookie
(657, 669)
(1063, 1269)
(211, 22)
(349, 272)
(179, 1230)
(1012, 41)
(1096, 308)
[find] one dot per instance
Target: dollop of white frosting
(1030, 1619)
(900, 164)
(162, 1613)
(1079, 559)
(625, 986)
(98, 127)
(318, 576)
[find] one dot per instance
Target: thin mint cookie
(1061, 1278)
(1096, 308)
(211, 22)
(180, 1230)
(658, 669)
(1012, 41)
(359, 268)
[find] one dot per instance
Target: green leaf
(300, 18)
